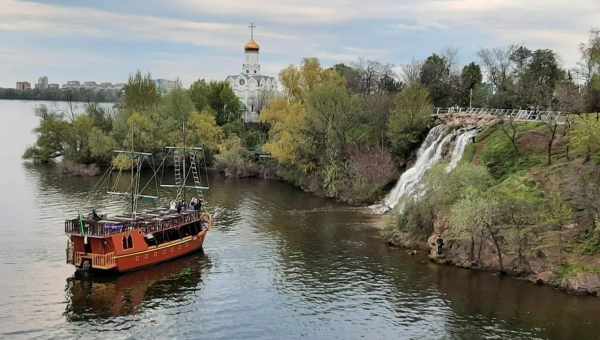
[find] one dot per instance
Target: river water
(279, 264)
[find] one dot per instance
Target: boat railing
(147, 225)
(103, 261)
(76, 258)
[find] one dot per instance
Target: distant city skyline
(163, 85)
(107, 41)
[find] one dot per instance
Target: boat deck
(148, 221)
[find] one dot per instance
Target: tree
(351, 75)
(510, 129)
(329, 114)
(140, 93)
(589, 70)
(298, 81)
(51, 136)
(435, 74)
(177, 104)
(286, 139)
(376, 78)
(217, 96)
(585, 136)
(540, 78)
(479, 213)
(557, 214)
(520, 56)
(551, 123)
(520, 205)
(497, 65)
(411, 73)
(203, 130)
(101, 145)
(471, 79)
(409, 119)
(568, 97)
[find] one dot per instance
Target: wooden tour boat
(142, 238)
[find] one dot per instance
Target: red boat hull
(161, 253)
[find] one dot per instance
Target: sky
(190, 39)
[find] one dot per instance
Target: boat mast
(184, 150)
(183, 160)
(132, 175)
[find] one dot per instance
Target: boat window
(124, 242)
(129, 242)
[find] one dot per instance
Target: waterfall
(459, 148)
(429, 154)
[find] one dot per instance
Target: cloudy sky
(107, 40)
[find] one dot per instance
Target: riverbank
(509, 209)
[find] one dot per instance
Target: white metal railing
(516, 114)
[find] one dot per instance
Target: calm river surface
(279, 264)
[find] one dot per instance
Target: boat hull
(162, 253)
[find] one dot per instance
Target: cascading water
(459, 148)
(429, 154)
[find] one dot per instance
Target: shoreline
(585, 284)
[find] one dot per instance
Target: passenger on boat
(94, 216)
(196, 204)
(172, 205)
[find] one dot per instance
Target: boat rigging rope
(205, 169)
(97, 186)
(154, 175)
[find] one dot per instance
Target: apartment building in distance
(23, 86)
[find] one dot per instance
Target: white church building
(250, 85)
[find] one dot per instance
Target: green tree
(480, 212)
(329, 113)
(541, 77)
(101, 145)
(351, 75)
(471, 79)
(286, 137)
(585, 135)
(140, 93)
(52, 134)
(589, 69)
(177, 104)
(409, 119)
(435, 74)
(520, 204)
(204, 130)
(218, 97)
(298, 81)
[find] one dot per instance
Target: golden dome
(251, 46)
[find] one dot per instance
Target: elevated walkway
(515, 114)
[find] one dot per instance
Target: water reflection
(167, 285)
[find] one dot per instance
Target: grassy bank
(524, 201)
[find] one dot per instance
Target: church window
(254, 71)
(242, 82)
(247, 71)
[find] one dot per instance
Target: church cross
(252, 27)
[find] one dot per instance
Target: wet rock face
(469, 120)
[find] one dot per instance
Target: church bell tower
(251, 65)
